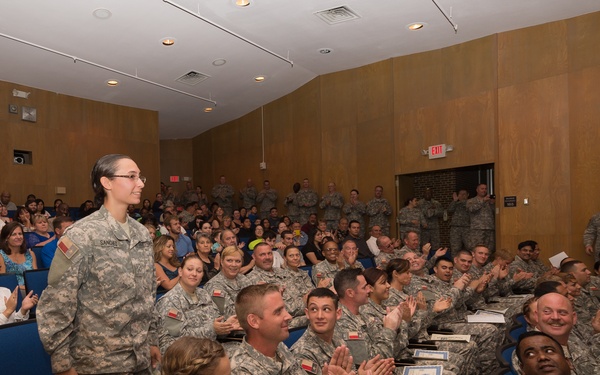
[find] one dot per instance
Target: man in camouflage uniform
(522, 263)
(556, 318)
(439, 285)
(586, 304)
(264, 272)
(320, 341)
(262, 315)
(379, 210)
(332, 204)
(411, 244)
(411, 218)
(101, 290)
(364, 340)
(293, 211)
(248, 195)
(354, 209)
(591, 238)
(386, 253)
(537, 353)
(267, 198)
(481, 215)
(336, 261)
(189, 195)
(460, 223)
(307, 200)
(432, 212)
(223, 195)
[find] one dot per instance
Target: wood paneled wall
(526, 100)
(69, 136)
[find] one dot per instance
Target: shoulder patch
(68, 248)
(309, 366)
(174, 314)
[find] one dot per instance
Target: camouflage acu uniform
(314, 352)
(183, 315)
(481, 215)
(267, 200)
(223, 195)
(373, 314)
(460, 226)
(332, 205)
(382, 259)
(432, 211)
(228, 289)
(324, 270)
(487, 336)
(97, 313)
(463, 354)
(294, 303)
(298, 284)
(356, 212)
(379, 340)
(378, 210)
(522, 286)
(307, 200)
(188, 196)
(248, 196)
(591, 234)
(406, 216)
(585, 305)
(293, 211)
(246, 360)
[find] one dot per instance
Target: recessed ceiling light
(242, 3)
(112, 82)
(325, 51)
(219, 62)
(102, 13)
(260, 78)
(208, 109)
(416, 26)
(167, 41)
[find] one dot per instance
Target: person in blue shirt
(60, 224)
(183, 243)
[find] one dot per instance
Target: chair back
(37, 250)
(9, 281)
(36, 280)
(367, 262)
(295, 334)
(23, 352)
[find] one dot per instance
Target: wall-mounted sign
(437, 151)
(510, 201)
(173, 178)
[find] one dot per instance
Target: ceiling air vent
(337, 15)
(192, 78)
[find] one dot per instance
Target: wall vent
(337, 15)
(192, 78)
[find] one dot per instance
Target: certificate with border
(439, 355)
(423, 370)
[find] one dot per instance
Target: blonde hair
(231, 250)
(192, 356)
(38, 217)
(159, 244)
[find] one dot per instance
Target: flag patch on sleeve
(309, 366)
(68, 248)
(217, 293)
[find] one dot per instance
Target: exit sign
(173, 178)
(437, 151)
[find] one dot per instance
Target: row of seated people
(445, 296)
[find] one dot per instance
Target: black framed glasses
(132, 177)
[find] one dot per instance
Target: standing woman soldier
(96, 316)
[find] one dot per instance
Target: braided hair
(192, 356)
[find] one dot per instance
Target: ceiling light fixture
(112, 82)
(260, 78)
(76, 59)
(168, 41)
(242, 3)
(102, 14)
(219, 62)
(415, 26)
(208, 109)
(325, 51)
